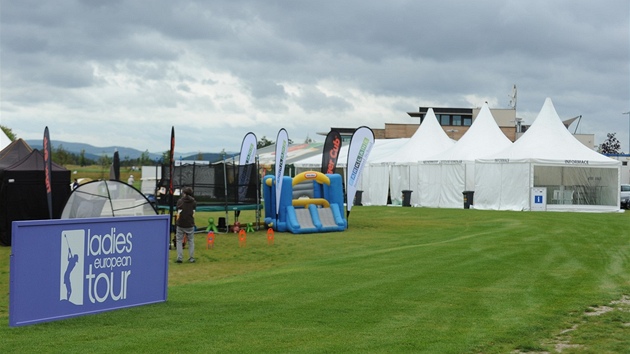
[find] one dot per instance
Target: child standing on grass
(186, 206)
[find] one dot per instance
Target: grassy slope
(399, 280)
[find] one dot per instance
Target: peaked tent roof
(13, 153)
(483, 138)
(547, 140)
(429, 140)
(33, 162)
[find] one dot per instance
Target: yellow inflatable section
(305, 202)
(310, 175)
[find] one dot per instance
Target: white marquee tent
(451, 172)
(429, 140)
(575, 177)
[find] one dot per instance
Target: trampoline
(236, 208)
(217, 207)
(219, 187)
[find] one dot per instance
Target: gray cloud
(313, 100)
(266, 89)
(245, 65)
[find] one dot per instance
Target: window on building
(452, 119)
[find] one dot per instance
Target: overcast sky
(122, 72)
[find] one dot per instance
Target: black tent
(13, 153)
(23, 190)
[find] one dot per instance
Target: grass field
(398, 280)
(96, 172)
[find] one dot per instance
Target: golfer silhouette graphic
(73, 259)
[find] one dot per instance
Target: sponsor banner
(171, 172)
(358, 152)
(171, 161)
(114, 169)
(247, 158)
(48, 171)
(282, 148)
(73, 267)
(331, 151)
(248, 149)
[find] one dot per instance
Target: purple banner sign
(74, 267)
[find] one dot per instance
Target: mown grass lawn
(398, 280)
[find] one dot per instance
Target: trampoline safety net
(212, 184)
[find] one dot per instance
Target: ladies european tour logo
(72, 257)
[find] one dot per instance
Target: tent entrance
(578, 185)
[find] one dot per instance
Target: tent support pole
(225, 190)
(258, 185)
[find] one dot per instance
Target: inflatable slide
(309, 202)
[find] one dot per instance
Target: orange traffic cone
(242, 238)
(270, 236)
(210, 243)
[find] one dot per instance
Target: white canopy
(295, 152)
(548, 140)
(483, 138)
(449, 173)
(381, 148)
(547, 155)
(374, 180)
(428, 140)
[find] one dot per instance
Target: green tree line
(64, 157)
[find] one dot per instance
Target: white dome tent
(547, 155)
(106, 199)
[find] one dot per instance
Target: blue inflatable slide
(309, 202)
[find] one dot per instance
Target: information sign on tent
(539, 199)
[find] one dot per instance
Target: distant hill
(95, 152)
(205, 156)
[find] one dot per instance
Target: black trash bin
(406, 202)
(468, 199)
(358, 195)
(222, 226)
